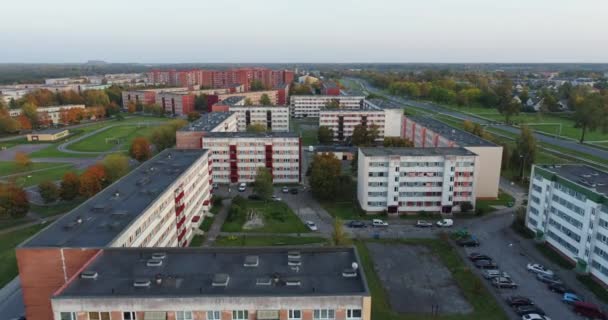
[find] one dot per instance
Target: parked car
(444, 223)
(479, 256)
(515, 301)
(534, 316)
(468, 242)
(538, 268)
(486, 264)
(548, 279)
(242, 186)
(529, 309)
(493, 273)
(589, 310)
(571, 298)
(311, 225)
(379, 223)
(424, 224)
(293, 190)
(559, 288)
(503, 282)
(285, 190)
(275, 198)
(254, 197)
(215, 186)
(356, 224)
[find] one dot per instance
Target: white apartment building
(274, 118)
(409, 180)
(236, 156)
(426, 132)
(52, 113)
(189, 137)
(309, 106)
(568, 208)
(342, 123)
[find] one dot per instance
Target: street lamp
(521, 176)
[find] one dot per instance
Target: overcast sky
(174, 31)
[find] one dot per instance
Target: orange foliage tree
(70, 185)
(92, 180)
(131, 107)
(13, 201)
(22, 160)
(25, 122)
(140, 149)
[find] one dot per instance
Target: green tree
(248, 102)
(364, 135)
(114, 93)
(116, 165)
(265, 100)
(200, 102)
(397, 142)
(257, 85)
(338, 236)
(70, 184)
(30, 111)
(325, 135)
(325, 171)
(332, 104)
(49, 191)
(525, 150)
(262, 186)
(96, 98)
(524, 96)
(256, 127)
(193, 116)
(140, 149)
(507, 106)
(590, 112)
(9, 125)
(509, 110)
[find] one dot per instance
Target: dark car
(486, 264)
(559, 288)
(479, 257)
(293, 190)
(517, 301)
(521, 310)
(589, 310)
(254, 197)
(356, 224)
(468, 242)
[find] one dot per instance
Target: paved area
(216, 227)
(11, 300)
(416, 281)
(9, 154)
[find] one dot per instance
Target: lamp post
(521, 175)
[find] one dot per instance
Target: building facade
(51, 114)
(567, 207)
(274, 118)
(176, 103)
(342, 123)
(310, 106)
(222, 78)
(410, 180)
(190, 136)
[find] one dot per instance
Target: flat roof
(385, 104)
(335, 148)
(49, 131)
(584, 175)
(207, 122)
(272, 134)
(232, 100)
(100, 219)
(191, 272)
(461, 137)
(328, 96)
(416, 152)
(261, 107)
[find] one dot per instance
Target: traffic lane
(392, 231)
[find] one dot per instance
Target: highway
(562, 143)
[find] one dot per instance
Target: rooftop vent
(293, 282)
(100, 207)
(294, 255)
(251, 261)
(220, 280)
(154, 263)
(141, 283)
(294, 262)
(159, 255)
(89, 274)
(263, 281)
(119, 213)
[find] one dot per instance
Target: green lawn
(55, 209)
(197, 241)
(484, 305)
(346, 210)
(52, 174)
(97, 142)
(6, 223)
(8, 242)
(253, 241)
(309, 136)
(277, 216)
(503, 200)
(10, 167)
(12, 143)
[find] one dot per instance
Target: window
(68, 316)
(99, 316)
(323, 314)
(240, 315)
(353, 314)
(183, 315)
(295, 315)
(130, 315)
(214, 315)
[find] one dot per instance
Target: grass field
(309, 136)
(10, 167)
(503, 200)
(8, 242)
(277, 216)
(100, 142)
(51, 174)
(254, 241)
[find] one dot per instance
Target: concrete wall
(487, 171)
(392, 122)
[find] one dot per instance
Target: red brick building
(222, 78)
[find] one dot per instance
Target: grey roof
(584, 175)
(385, 104)
(49, 131)
(207, 122)
(232, 100)
(416, 152)
(335, 148)
(272, 134)
(100, 219)
(190, 272)
(461, 137)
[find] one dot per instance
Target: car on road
(538, 268)
(356, 224)
(424, 224)
(486, 264)
(285, 190)
(242, 186)
(529, 309)
(570, 298)
(275, 198)
(559, 288)
(379, 223)
(534, 316)
(503, 282)
(478, 256)
(516, 301)
(445, 223)
(468, 242)
(493, 273)
(311, 225)
(589, 310)
(548, 279)
(293, 190)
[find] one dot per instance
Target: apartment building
(274, 118)
(222, 78)
(190, 136)
(146, 96)
(253, 96)
(51, 114)
(310, 106)
(236, 156)
(217, 283)
(330, 88)
(342, 123)
(426, 132)
(410, 180)
(176, 103)
(568, 209)
(159, 204)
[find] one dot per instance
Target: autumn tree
(364, 135)
(131, 107)
(397, 142)
(116, 165)
(24, 122)
(30, 111)
(49, 191)
(140, 149)
(338, 236)
(9, 125)
(96, 98)
(325, 135)
(332, 104)
(525, 150)
(69, 97)
(262, 186)
(325, 172)
(69, 186)
(193, 116)
(13, 201)
(248, 101)
(256, 127)
(92, 180)
(265, 100)
(590, 112)
(22, 160)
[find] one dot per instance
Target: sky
(283, 31)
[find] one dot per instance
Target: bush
(48, 191)
(216, 201)
(466, 207)
(480, 211)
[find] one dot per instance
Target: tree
(200, 102)
(525, 149)
(397, 142)
(22, 160)
(265, 100)
(325, 135)
(524, 96)
(193, 116)
(507, 106)
(96, 98)
(140, 149)
(69, 97)
(70, 184)
(114, 93)
(466, 206)
(338, 236)
(13, 201)
(590, 112)
(131, 107)
(467, 125)
(364, 135)
(48, 191)
(256, 127)
(9, 125)
(510, 109)
(116, 165)
(325, 171)
(30, 111)
(248, 101)
(92, 180)
(332, 104)
(262, 186)
(257, 85)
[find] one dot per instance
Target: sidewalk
(216, 227)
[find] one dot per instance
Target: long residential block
(273, 118)
(342, 123)
(310, 106)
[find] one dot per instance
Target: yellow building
(48, 135)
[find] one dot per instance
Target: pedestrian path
(219, 220)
